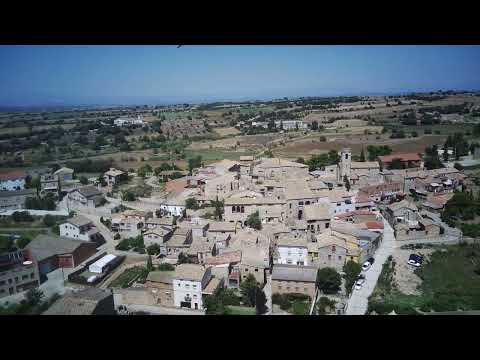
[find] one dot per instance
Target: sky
(114, 75)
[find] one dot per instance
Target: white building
(102, 264)
(188, 282)
(79, 228)
(128, 121)
(291, 124)
(12, 180)
(292, 251)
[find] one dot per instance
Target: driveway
(358, 302)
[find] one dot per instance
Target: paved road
(358, 302)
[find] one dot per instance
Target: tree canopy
(253, 221)
(328, 280)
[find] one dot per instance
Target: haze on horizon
(128, 75)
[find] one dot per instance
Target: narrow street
(358, 302)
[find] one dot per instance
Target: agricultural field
(228, 131)
(217, 155)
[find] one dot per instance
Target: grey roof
(83, 302)
(89, 191)
(165, 277)
(45, 246)
(294, 273)
(79, 220)
(25, 192)
(351, 229)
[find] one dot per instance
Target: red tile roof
(12, 175)
(225, 258)
(403, 157)
(374, 224)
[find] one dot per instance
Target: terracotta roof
(403, 157)
(13, 175)
(225, 258)
(374, 224)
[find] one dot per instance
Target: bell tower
(345, 164)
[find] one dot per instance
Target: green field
(214, 154)
(240, 310)
(450, 282)
(129, 276)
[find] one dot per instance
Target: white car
(413, 263)
(366, 265)
(359, 283)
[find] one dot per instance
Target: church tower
(345, 164)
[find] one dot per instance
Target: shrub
(153, 249)
(49, 220)
(165, 267)
(323, 138)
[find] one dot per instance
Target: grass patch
(127, 278)
(297, 304)
(239, 310)
(450, 282)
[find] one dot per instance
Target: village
(258, 235)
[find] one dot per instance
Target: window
(24, 277)
(329, 257)
(256, 270)
(233, 209)
(327, 225)
(246, 269)
(339, 258)
(334, 248)
(194, 286)
(300, 203)
(242, 209)
(187, 286)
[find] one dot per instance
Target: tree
(253, 221)
(183, 259)
(314, 125)
(328, 280)
(153, 249)
(83, 180)
(268, 153)
(128, 196)
(351, 270)
(22, 216)
(301, 160)
(247, 290)
(218, 208)
(347, 182)
(165, 267)
(362, 156)
(34, 296)
(374, 151)
(216, 303)
(49, 220)
(260, 302)
(144, 170)
(150, 264)
(191, 203)
(194, 163)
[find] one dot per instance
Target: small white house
(102, 264)
(292, 251)
(188, 283)
(79, 228)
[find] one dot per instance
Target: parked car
(366, 265)
(415, 260)
(371, 260)
(359, 283)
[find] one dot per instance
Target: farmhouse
(86, 196)
(12, 200)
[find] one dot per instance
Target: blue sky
(39, 75)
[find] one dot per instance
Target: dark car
(371, 260)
